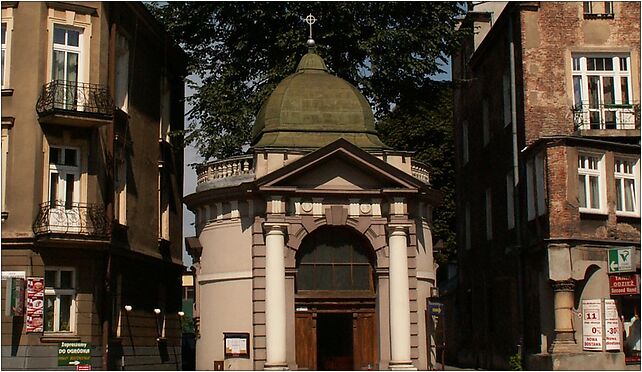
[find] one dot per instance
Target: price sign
(612, 329)
(592, 324)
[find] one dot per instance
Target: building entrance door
(344, 340)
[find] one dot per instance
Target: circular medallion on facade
(306, 206)
(365, 208)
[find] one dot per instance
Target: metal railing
(606, 116)
(75, 97)
(420, 171)
(82, 219)
(226, 168)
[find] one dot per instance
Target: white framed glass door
(66, 66)
(64, 189)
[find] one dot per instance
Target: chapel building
(313, 250)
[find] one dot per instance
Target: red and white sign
(34, 317)
(624, 284)
(592, 324)
(612, 323)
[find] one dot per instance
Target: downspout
(516, 196)
(109, 210)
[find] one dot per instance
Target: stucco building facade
(314, 250)
(91, 186)
(548, 183)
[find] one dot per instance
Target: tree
(424, 123)
(241, 50)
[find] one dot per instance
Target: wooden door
(306, 341)
(365, 341)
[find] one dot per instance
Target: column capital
(396, 228)
(563, 285)
(275, 227)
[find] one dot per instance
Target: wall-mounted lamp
(181, 314)
(157, 311)
(128, 308)
(159, 334)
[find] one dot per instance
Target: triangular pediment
(339, 166)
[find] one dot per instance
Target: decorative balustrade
(236, 166)
(606, 116)
(74, 97)
(77, 219)
(420, 171)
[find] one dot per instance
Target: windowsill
(59, 337)
(7, 92)
(599, 15)
(627, 215)
(593, 213)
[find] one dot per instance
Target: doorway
(334, 341)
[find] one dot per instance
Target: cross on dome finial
(310, 20)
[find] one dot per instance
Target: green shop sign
(74, 353)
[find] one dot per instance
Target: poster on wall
(612, 325)
(34, 317)
(592, 325)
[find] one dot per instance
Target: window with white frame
(64, 176)
(65, 68)
(60, 300)
(506, 96)
(626, 185)
(4, 52)
(485, 122)
(467, 233)
(589, 170)
(602, 91)
(539, 184)
(510, 201)
(597, 9)
(489, 214)
(464, 140)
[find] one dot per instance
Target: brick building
(548, 182)
(91, 186)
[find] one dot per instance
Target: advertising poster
(612, 329)
(34, 315)
(592, 325)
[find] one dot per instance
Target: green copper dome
(312, 108)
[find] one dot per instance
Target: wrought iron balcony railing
(77, 219)
(606, 116)
(73, 97)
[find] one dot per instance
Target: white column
(275, 317)
(399, 299)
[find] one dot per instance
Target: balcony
(223, 173)
(75, 104)
(61, 221)
(420, 171)
(611, 120)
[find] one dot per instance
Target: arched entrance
(335, 301)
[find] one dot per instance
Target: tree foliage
(424, 123)
(241, 50)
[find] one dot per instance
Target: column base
(276, 367)
(564, 342)
(401, 366)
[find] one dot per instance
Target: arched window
(334, 259)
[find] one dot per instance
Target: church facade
(314, 250)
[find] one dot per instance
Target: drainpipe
(109, 199)
(516, 197)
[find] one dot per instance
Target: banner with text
(592, 324)
(612, 325)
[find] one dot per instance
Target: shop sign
(13, 274)
(436, 308)
(592, 324)
(624, 284)
(621, 260)
(74, 354)
(612, 326)
(34, 318)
